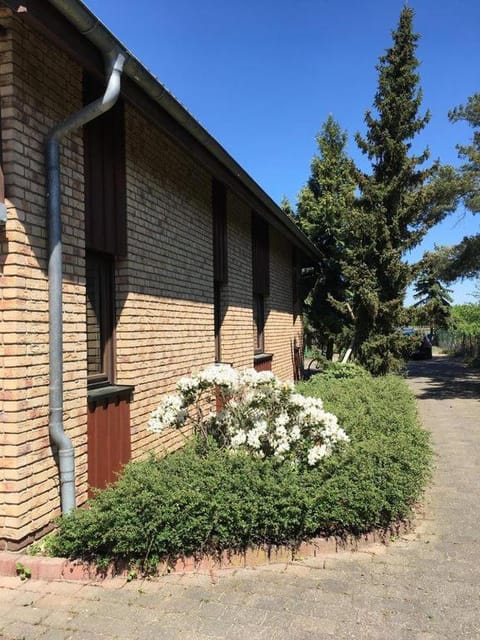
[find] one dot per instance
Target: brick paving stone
(60, 619)
(56, 634)
(325, 626)
(87, 635)
(20, 630)
(161, 631)
(249, 631)
(32, 615)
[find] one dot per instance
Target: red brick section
(264, 365)
(42, 568)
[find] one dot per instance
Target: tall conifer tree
(398, 203)
(433, 300)
(323, 208)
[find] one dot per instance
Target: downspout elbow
(114, 67)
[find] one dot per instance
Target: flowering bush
(260, 415)
(201, 499)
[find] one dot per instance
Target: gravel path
(424, 586)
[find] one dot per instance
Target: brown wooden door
(108, 441)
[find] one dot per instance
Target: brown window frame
(296, 302)
(105, 224)
(259, 320)
(105, 175)
(217, 319)
(260, 278)
(103, 307)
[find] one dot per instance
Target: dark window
(100, 319)
(105, 228)
(259, 320)
(261, 277)
(220, 259)
(296, 302)
(260, 255)
(219, 210)
(105, 181)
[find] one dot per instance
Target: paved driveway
(424, 586)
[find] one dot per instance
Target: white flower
(295, 433)
(265, 377)
(261, 426)
(282, 446)
(188, 384)
(248, 377)
(252, 378)
(281, 432)
(253, 439)
(170, 412)
(330, 421)
(259, 430)
(238, 439)
(297, 400)
(222, 375)
(282, 420)
(342, 436)
(317, 453)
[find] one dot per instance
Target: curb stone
(45, 568)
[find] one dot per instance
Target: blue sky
(262, 76)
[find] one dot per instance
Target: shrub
(336, 370)
(465, 318)
(204, 499)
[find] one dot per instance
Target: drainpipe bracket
(3, 213)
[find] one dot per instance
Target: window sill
(258, 358)
(109, 394)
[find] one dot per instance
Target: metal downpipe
(66, 455)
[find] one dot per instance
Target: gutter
(114, 61)
(94, 30)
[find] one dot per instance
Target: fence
(458, 343)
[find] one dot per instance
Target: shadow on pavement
(446, 378)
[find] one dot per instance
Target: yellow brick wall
(281, 328)
(164, 287)
(165, 297)
(236, 332)
(39, 86)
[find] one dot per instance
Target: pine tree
(323, 209)
(470, 171)
(476, 292)
(287, 208)
(434, 300)
(399, 202)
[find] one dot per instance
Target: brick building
(172, 258)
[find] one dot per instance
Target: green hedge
(203, 499)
